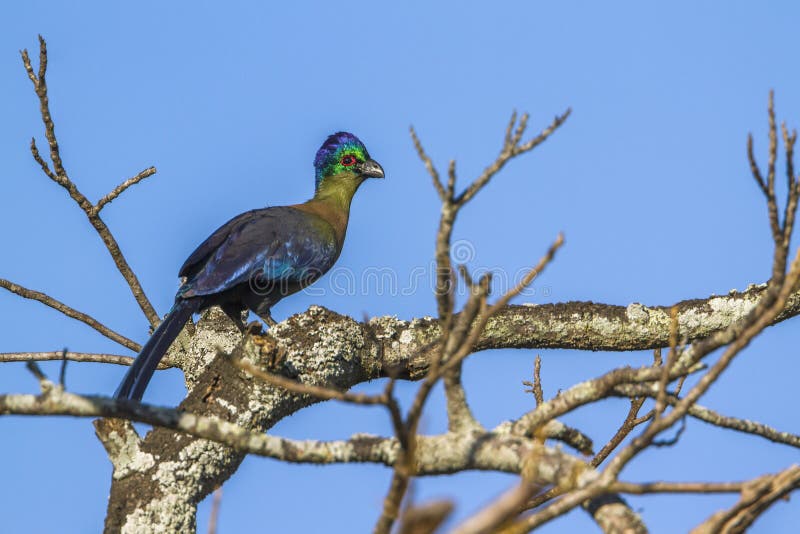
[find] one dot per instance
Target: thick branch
(436, 455)
(335, 351)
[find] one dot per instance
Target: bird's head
(343, 162)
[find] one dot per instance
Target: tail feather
(140, 373)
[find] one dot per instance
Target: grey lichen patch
(213, 333)
(637, 313)
(227, 405)
(129, 458)
(399, 334)
(318, 339)
(717, 313)
(730, 309)
(193, 463)
(602, 325)
(168, 514)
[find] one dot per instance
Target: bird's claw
(254, 328)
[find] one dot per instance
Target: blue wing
(267, 246)
(201, 254)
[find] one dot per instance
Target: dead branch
(90, 357)
(632, 420)
(644, 488)
(459, 335)
(434, 350)
(215, 506)
(59, 175)
(757, 497)
(737, 337)
(70, 312)
(425, 518)
(714, 418)
(117, 191)
(536, 385)
(446, 453)
(321, 393)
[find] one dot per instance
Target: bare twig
(644, 488)
(744, 425)
(754, 170)
(70, 312)
(91, 357)
(60, 176)
(511, 148)
(737, 336)
(536, 385)
(425, 518)
(773, 156)
(458, 337)
(469, 344)
(714, 418)
(500, 511)
(757, 496)
(754, 325)
(631, 422)
(437, 183)
(310, 389)
(672, 357)
(213, 519)
(587, 392)
(117, 191)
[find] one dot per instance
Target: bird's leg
(267, 318)
(255, 327)
(260, 305)
(236, 314)
(264, 315)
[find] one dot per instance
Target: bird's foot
(273, 354)
(254, 328)
(237, 317)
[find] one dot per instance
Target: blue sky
(648, 180)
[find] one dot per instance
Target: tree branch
(714, 418)
(443, 454)
(91, 357)
(70, 312)
(757, 496)
(60, 176)
(117, 191)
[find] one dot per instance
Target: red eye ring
(348, 160)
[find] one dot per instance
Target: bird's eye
(348, 160)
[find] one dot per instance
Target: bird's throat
(332, 202)
(338, 190)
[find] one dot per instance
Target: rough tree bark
(159, 479)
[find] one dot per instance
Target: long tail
(140, 373)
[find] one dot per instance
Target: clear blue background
(648, 179)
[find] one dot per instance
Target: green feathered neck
(338, 189)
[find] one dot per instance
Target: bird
(263, 255)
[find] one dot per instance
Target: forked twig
(59, 175)
(459, 334)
